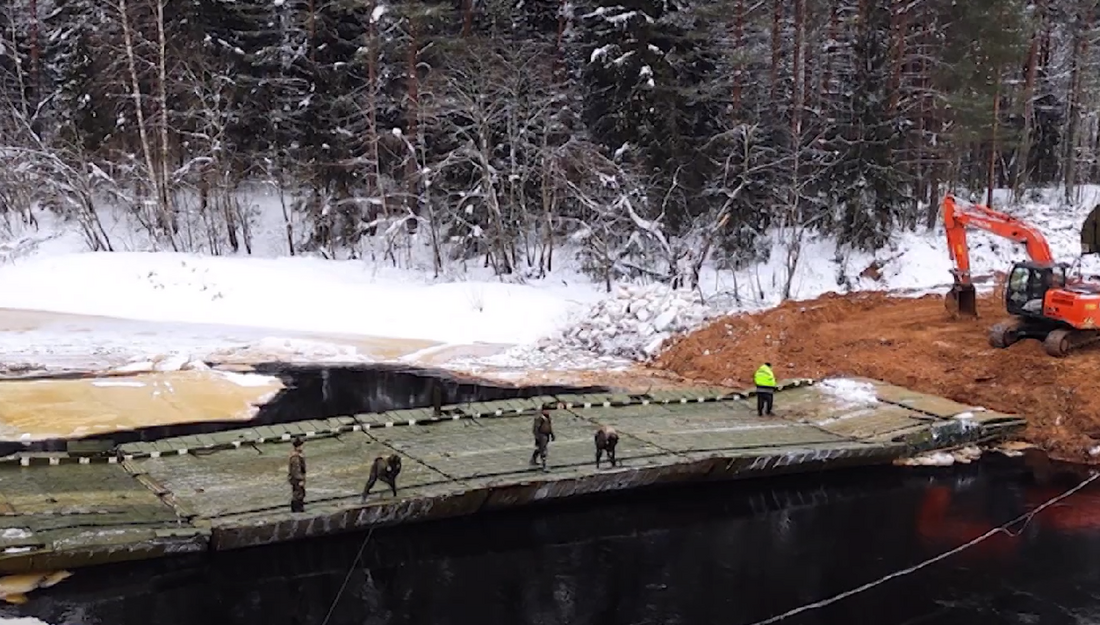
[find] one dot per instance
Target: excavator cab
(1027, 286)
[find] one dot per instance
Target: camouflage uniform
(542, 438)
(296, 475)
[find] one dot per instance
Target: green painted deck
(228, 490)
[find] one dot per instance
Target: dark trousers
(765, 396)
(542, 441)
(297, 496)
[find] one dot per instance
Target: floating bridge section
(228, 490)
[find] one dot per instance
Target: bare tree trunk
(897, 27)
(794, 217)
(135, 93)
(20, 76)
(559, 49)
(809, 97)
(467, 17)
(500, 240)
(991, 175)
(1022, 161)
(311, 26)
(1074, 112)
(375, 180)
(413, 114)
(286, 215)
(796, 68)
(834, 31)
(777, 16)
(36, 74)
(738, 42)
(548, 201)
(162, 80)
(935, 144)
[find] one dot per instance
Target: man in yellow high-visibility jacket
(765, 389)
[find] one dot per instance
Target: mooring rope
(1026, 518)
(351, 570)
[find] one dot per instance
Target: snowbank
(289, 350)
(635, 322)
(849, 392)
(630, 326)
(297, 294)
(183, 362)
(162, 362)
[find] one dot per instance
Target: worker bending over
(765, 389)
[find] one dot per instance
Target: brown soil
(633, 380)
(911, 343)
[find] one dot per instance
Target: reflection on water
(728, 554)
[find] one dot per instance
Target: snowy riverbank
(107, 309)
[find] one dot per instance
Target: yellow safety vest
(764, 376)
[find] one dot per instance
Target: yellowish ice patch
(37, 409)
(14, 588)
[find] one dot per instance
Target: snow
(850, 392)
(15, 533)
(139, 309)
(301, 294)
(934, 459)
(123, 383)
(914, 263)
(964, 455)
(630, 325)
(599, 53)
(23, 620)
(249, 379)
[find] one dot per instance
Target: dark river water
(729, 554)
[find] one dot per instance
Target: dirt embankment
(911, 343)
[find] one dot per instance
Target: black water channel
(728, 554)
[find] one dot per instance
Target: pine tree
(76, 33)
(868, 187)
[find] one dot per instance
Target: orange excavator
(1045, 302)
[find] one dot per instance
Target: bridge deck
(228, 490)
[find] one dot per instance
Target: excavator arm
(962, 298)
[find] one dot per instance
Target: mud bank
(911, 342)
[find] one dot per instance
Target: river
(730, 554)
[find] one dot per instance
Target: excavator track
(1061, 342)
(1058, 342)
(1004, 334)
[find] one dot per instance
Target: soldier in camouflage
(296, 475)
(543, 430)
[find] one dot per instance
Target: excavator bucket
(962, 300)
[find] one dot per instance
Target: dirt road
(912, 343)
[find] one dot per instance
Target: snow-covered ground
(107, 309)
